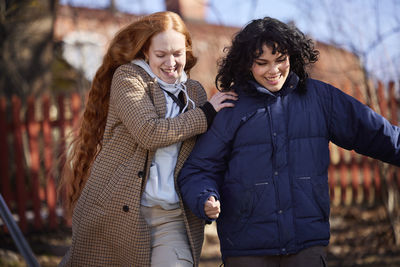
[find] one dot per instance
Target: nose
(170, 61)
(274, 69)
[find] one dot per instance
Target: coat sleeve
(203, 172)
(137, 112)
(354, 125)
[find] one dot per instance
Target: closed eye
(261, 63)
(281, 59)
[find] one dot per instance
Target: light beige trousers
(169, 242)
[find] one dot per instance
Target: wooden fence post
(33, 134)
(377, 178)
(331, 182)
(355, 179)
(61, 125)
(4, 162)
(384, 106)
(393, 104)
(76, 105)
(366, 166)
(19, 161)
(48, 162)
(394, 119)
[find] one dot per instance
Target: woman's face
(167, 55)
(271, 70)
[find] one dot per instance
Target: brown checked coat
(107, 227)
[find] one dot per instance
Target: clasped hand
(212, 208)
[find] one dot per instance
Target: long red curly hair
(128, 44)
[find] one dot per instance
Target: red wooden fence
(30, 149)
(363, 175)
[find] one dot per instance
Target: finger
(211, 198)
(211, 211)
(211, 207)
(225, 98)
(210, 202)
(212, 215)
(224, 94)
(229, 95)
(225, 105)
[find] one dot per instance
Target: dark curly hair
(234, 68)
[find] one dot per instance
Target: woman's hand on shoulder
(218, 100)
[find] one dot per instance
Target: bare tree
(363, 27)
(26, 30)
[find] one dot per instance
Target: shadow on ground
(361, 236)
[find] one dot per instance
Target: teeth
(169, 71)
(273, 78)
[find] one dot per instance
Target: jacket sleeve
(354, 125)
(136, 111)
(203, 172)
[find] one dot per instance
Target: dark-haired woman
(261, 168)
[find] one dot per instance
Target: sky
(350, 24)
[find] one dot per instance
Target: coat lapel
(192, 95)
(158, 99)
(188, 144)
(160, 105)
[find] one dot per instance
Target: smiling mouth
(273, 79)
(170, 71)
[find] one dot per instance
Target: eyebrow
(166, 51)
(266, 60)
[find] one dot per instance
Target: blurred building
(84, 34)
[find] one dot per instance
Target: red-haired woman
(139, 126)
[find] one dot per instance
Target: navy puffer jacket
(266, 160)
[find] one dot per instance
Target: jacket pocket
(236, 201)
(244, 206)
(321, 194)
(184, 254)
(109, 190)
(311, 197)
(264, 201)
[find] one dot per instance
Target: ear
(146, 56)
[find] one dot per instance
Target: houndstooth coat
(107, 227)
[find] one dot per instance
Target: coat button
(140, 174)
(125, 208)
